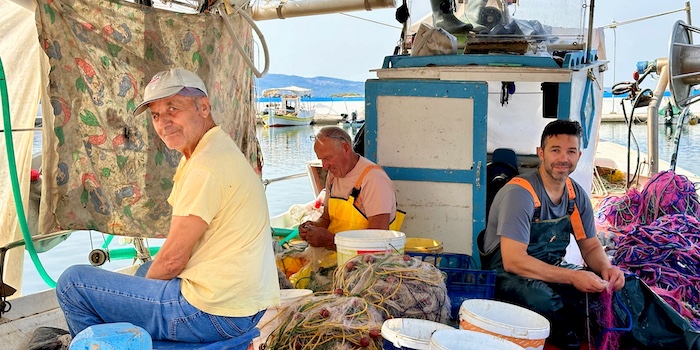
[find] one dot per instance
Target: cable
(237, 44)
(11, 162)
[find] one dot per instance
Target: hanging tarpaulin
(21, 58)
(104, 168)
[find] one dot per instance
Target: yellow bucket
(422, 245)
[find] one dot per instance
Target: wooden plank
(478, 73)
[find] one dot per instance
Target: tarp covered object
(105, 169)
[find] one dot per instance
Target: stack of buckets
(409, 333)
(358, 242)
(415, 334)
(458, 339)
(516, 324)
(484, 324)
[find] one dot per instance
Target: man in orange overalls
(528, 231)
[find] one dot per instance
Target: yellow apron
(345, 216)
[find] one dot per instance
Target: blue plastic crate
(462, 283)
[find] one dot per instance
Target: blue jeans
(89, 295)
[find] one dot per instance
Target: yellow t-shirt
(231, 271)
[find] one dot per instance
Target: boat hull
(303, 118)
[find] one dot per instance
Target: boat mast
(282, 9)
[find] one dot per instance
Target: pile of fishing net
(666, 255)
(657, 237)
(401, 285)
(328, 322)
(666, 193)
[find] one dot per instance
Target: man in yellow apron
(359, 194)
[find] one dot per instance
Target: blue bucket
(409, 333)
(112, 336)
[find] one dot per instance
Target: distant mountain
(320, 86)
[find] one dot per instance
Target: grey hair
(334, 132)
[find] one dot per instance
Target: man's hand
(305, 228)
(316, 236)
(588, 282)
(615, 277)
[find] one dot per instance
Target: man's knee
(535, 295)
(71, 275)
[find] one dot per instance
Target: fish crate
(461, 281)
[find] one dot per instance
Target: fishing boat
(434, 123)
(290, 111)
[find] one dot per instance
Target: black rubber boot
(443, 17)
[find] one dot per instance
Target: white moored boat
(290, 111)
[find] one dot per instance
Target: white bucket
(269, 321)
(511, 322)
(409, 333)
(358, 242)
(458, 339)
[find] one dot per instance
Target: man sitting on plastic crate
(528, 230)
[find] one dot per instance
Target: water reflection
(688, 146)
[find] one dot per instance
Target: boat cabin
(436, 124)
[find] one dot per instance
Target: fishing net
(606, 318)
(666, 255)
(668, 193)
(618, 214)
(658, 239)
(401, 285)
(328, 322)
(665, 193)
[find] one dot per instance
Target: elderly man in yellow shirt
(215, 275)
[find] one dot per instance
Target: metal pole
(653, 118)
(590, 31)
(688, 17)
(614, 67)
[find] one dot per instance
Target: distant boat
(289, 111)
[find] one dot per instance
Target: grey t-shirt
(513, 207)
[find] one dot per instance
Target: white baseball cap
(168, 83)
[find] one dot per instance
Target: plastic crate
(462, 283)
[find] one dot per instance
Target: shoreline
(333, 119)
(328, 119)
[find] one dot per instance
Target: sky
(345, 47)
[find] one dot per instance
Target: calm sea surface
(286, 151)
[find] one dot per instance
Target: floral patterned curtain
(105, 169)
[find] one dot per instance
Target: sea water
(286, 152)
(688, 144)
